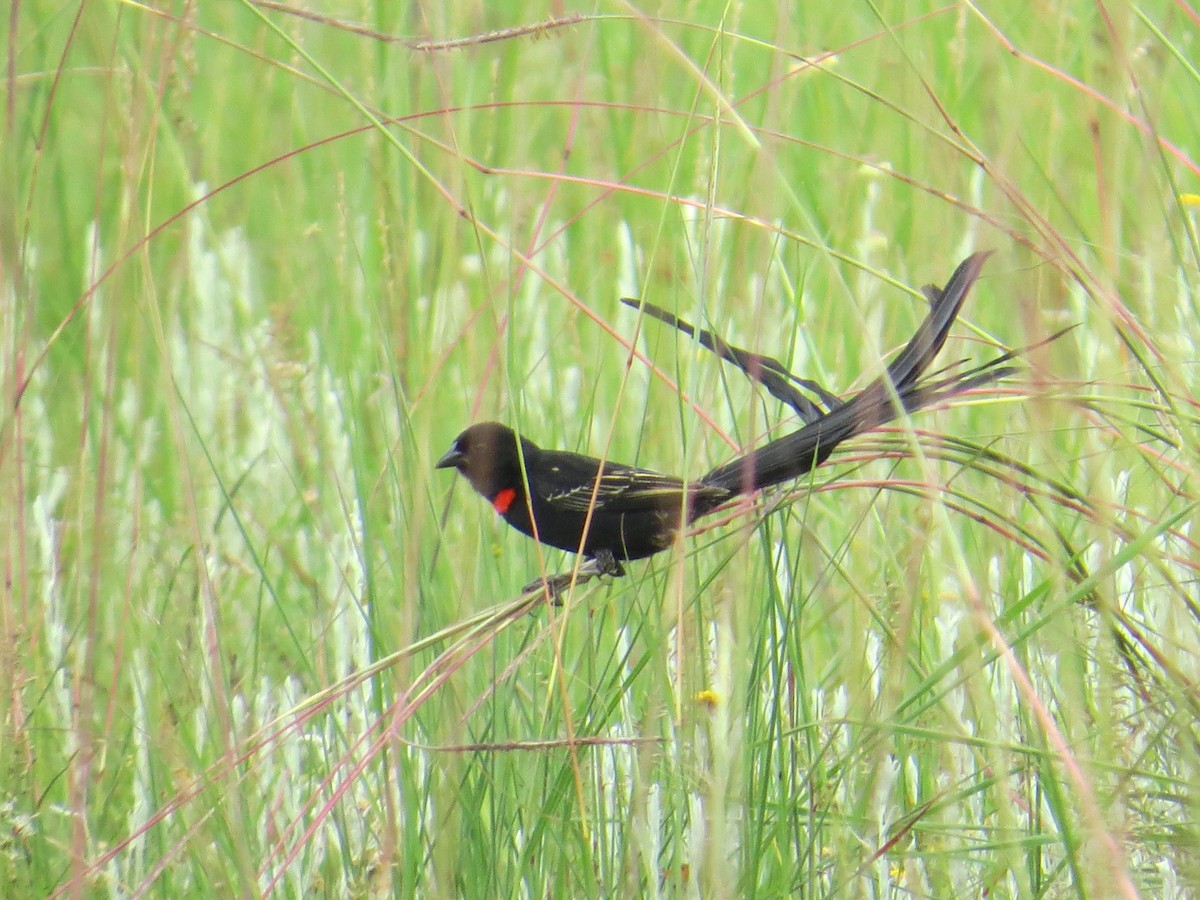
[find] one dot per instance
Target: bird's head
(486, 454)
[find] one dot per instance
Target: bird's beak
(452, 460)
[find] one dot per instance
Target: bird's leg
(603, 563)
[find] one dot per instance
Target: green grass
(259, 270)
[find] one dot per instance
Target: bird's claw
(555, 586)
(604, 563)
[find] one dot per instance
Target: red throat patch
(503, 500)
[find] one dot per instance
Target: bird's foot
(555, 586)
(604, 563)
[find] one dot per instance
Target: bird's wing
(621, 489)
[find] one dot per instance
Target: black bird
(611, 512)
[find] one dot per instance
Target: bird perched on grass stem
(612, 513)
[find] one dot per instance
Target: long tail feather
(765, 370)
(796, 454)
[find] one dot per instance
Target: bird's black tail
(796, 454)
